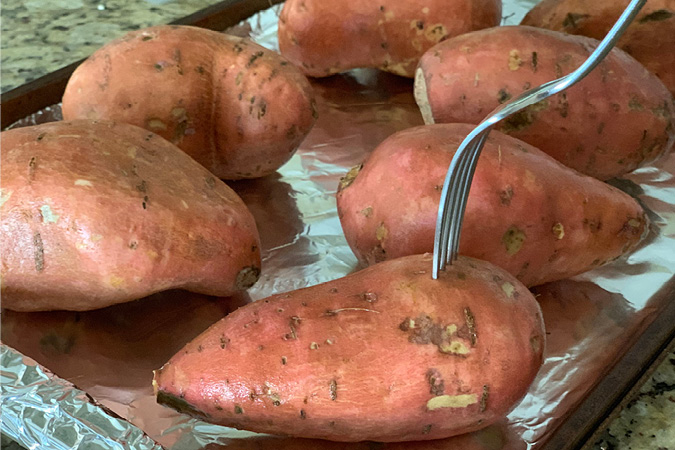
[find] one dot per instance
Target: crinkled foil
(591, 320)
(38, 406)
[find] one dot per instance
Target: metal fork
(460, 173)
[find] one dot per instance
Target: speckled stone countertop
(647, 422)
(41, 36)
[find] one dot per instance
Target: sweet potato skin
(237, 108)
(384, 354)
(649, 39)
(324, 38)
(526, 213)
(98, 213)
(617, 119)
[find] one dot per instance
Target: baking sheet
(591, 320)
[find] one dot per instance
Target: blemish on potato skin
(657, 16)
(370, 297)
(471, 325)
(514, 60)
(523, 119)
(484, 398)
(303, 414)
(349, 178)
(223, 342)
(367, 212)
(381, 232)
(506, 195)
(253, 58)
(572, 20)
(293, 321)
(503, 95)
(333, 389)
(247, 277)
(155, 124)
(334, 312)
(558, 230)
(451, 401)
(39, 252)
(534, 61)
(513, 240)
(32, 165)
(238, 409)
(48, 216)
(435, 381)
(423, 331)
(508, 289)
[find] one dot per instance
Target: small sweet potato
(384, 354)
(650, 39)
(97, 213)
(324, 38)
(527, 213)
(615, 120)
(237, 108)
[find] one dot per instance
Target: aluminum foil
(591, 320)
(38, 406)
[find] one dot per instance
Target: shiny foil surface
(591, 320)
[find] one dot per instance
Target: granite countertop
(40, 36)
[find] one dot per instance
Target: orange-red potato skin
(323, 38)
(98, 213)
(237, 108)
(650, 38)
(359, 358)
(526, 212)
(615, 120)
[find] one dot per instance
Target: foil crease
(40, 409)
(591, 320)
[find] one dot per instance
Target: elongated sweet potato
(650, 39)
(527, 213)
(384, 354)
(324, 38)
(97, 213)
(615, 120)
(237, 108)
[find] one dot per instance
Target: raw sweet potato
(527, 213)
(324, 38)
(615, 120)
(384, 354)
(650, 38)
(97, 213)
(237, 108)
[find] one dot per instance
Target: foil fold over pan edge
(41, 409)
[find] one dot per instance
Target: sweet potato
(97, 213)
(526, 213)
(650, 39)
(324, 38)
(617, 119)
(384, 354)
(237, 108)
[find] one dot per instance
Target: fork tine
(450, 201)
(471, 159)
